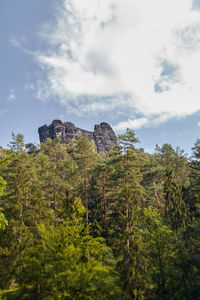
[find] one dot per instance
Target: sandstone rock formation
(103, 135)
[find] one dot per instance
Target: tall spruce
(126, 162)
(55, 180)
(175, 207)
(84, 154)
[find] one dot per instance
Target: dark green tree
(84, 155)
(175, 207)
(56, 266)
(126, 162)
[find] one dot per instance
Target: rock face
(103, 135)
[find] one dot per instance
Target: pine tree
(56, 266)
(126, 163)
(3, 221)
(153, 180)
(85, 158)
(15, 203)
(99, 196)
(167, 259)
(175, 207)
(54, 177)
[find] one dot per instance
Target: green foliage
(167, 258)
(2, 185)
(176, 212)
(56, 267)
(174, 159)
(3, 221)
(80, 225)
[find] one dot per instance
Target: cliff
(103, 135)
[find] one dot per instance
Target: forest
(75, 224)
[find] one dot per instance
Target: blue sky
(130, 63)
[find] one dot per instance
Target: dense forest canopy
(75, 224)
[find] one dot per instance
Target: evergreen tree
(85, 158)
(175, 207)
(15, 202)
(56, 266)
(176, 160)
(80, 225)
(153, 181)
(126, 162)
(3, 221)
(167, 259)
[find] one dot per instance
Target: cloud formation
(137, 123)
(138, 59)
(12, 95)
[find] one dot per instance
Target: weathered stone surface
(103, 135)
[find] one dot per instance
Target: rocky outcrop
(103, 135)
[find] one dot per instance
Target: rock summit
(103, 134)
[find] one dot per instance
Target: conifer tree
(85, 158)
(81, 225)
(99, 194)
(175, 207)
(56, 266)
(15, 203)
(167, 259)
(153, 181)
(55, 183)
(3, 221)
(126, 162)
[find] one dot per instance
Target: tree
(3, 221)
(176, 160)
(153, 181)
(55, 154)
(127, 176)
(85, 158)
(154, 173)
(175, 207)
(99, 195)
(126, 163)
(16, 205)
(193, 191)
(56, 266)
(167, 259)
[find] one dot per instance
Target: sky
(134, 64)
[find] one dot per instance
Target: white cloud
(139, 57)
(20, 42)
(134, 124)
(29, 86)
(15, 42)
(12, 95)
